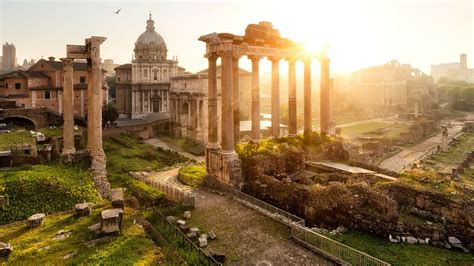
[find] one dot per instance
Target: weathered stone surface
(202, 242)
(117, 198)
(94, 227)
(111, 220)
(411, 240)
(35, 220)
(212, 235)
(184, 228)
(132, 202)
(191, 235)
(204, 236)
(180, 222)
(395, 239)
(5, 249)
(187, 215)
(61, 235)
(82, 209)
(171, 219)
(69, 255)
(194, 230)
(341, 229)
(454, 240)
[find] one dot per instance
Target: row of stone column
(230, 99)
(139, 97)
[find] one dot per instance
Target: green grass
(132, 247)
(125, 154)
(180, 144)
(192, 175)
(45, 188)
(11, 140)
(374, 129)
(456, 154)
(401, 253)
(52, 132)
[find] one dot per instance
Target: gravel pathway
(244, 235)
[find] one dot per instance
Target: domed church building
(142, 87)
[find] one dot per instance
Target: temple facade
(143, 87)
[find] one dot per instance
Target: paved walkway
(410, 155)
(159, 143)
(244, 235)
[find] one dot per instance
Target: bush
(192, 175)
(45, 188)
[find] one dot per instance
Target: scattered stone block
(117, 198)
(5, 249)
(111, 220)
(171, 219)
(421, 241)
(341, 229)
(61, 235)
(454, 240)
(35, 220)
(204, 236)
(187, 215)
(411, 240)
(395, 239)
(184, 228)
(212, 235)
(43, 248)
(82, 209)
(69, 255)
(180, 222)
(94, 227)
(202, 242)
(194, 230)
(191, 235)
(447, 245)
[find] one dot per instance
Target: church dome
(150, 45)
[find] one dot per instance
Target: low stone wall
(142, 131)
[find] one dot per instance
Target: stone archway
(25, 122)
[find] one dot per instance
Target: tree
(109, 114)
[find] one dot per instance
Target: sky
(359, 33)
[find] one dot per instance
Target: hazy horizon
(360, 34)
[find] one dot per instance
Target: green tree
(109, 114)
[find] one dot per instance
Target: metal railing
(319, 243)
(180, 239)
(333, 249)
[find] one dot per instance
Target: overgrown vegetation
(45, 188)
(402, 254)
(131, 247)
(147, 194)
(125, 153)
(375, 130)
(192, 175)
(13, 139)
(460, 93)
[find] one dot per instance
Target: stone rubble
(35, 220)
(82, 209)
(187, 215)
(5, 249)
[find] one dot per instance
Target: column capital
(291, 60)
(67, 62)
(254, 58)
(236, 56)
(212, 56)
(274, 59)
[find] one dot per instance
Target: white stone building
(142, 87)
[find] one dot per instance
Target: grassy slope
(44, 188)
(192, 175)
(9, 140)
(374, 129)
(403, 254)
(125, 154)
(131, 247)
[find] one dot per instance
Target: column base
(223, 167)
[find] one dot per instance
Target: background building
(453, 71)
(109, 66)
(8, 57)
(42, 85)
(142, 87)
(389, 84)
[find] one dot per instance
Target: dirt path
(410, 155)
(245, 236)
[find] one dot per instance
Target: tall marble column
(307, 96)
(95, 125)
(325, 99)
(236, 97)
(255, 135)
(90, 107)
(292, 118)
(275, 97)
(68, 106)
(227, 121)
(212, 138)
